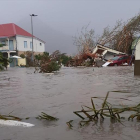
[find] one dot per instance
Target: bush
(1, 67)
(50, 67)
(22, 55)
(45, 63)
(1, 45)
(65, 59)
(3, 62)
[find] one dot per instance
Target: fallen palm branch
(46, 117)
(9, 117)
(106, 110)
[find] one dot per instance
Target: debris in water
(46, 117)
(107, 110)
(69, 124)
(9, 117)
(15, 123)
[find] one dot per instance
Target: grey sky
(68, 16)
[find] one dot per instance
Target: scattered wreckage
(110, 57)
(102, 57)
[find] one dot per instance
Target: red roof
(11, 29)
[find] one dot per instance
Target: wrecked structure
(105, 53)
(118, 41)
(98, 57)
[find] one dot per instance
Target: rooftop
(11, 29)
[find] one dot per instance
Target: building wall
(37, 46)
(137, 51)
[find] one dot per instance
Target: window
(31, 45)
(40, 44)
(25, 44)
(3, 42)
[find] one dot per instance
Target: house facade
(15, 41)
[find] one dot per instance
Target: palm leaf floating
(106, 110)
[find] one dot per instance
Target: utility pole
(32, 37)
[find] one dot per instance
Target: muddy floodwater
(26, 94)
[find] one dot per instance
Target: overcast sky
(68, 16)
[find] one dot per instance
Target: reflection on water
(28, 94)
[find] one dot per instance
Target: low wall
(22, 52)
(21, 61)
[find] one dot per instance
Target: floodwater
(27, 94)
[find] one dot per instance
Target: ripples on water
(28, 94)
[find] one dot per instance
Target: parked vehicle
(119, 60)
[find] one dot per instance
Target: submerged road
(27, 94)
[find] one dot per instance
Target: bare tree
(85, 40)
(122, 35)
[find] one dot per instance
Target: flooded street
(27, 94)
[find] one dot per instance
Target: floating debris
(15, 123)
(9, 117)
(107, 110)
(46, 117)
(69, 124)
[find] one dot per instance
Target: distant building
(15, 41)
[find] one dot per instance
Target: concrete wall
(37, 46)
(137, 51)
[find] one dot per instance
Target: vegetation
(50, 67)
(29, 61)
(22, 55)
(40, 117)
(119, 38)
(9, 117)
(85, 41)
(1, 45)
(46, 117)
(106, 110)
(45, 63)
(48, 63)
(3, 62)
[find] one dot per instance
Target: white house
(15, 41)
